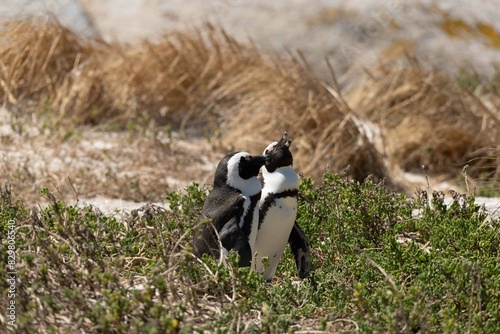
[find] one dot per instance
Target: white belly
(273, 234)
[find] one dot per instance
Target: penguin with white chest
(278, 212)
(229, 217)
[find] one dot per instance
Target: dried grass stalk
(429, 120)
(204, 80)
(198, 79)
(35, 59)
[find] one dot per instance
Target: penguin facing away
(230, 212)
(278, 212)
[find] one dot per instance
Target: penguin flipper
(233, 238)
(300, 249)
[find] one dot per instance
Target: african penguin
(278, 211)
(231, 209)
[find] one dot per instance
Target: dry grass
(89, 81)
(207, 83)
(430, 120)
(325, 131)
(35, 60)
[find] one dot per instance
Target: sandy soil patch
(124, 165)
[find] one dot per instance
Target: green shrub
(382, 262)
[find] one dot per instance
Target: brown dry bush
(205, 81)
(327, 135)
(40, 62)
(428, 120)
(200, 79)
(173, 80)
(35, 59)
(88, 81)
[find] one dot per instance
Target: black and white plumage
(278, 212)
(231, 209)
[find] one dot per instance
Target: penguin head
(237, 168)
(279, 154)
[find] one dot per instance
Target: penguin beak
(283, 141)
(262, 159)
(283, 138)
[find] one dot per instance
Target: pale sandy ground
(131, 165)
(353, 34)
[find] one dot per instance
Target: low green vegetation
(382, 262)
